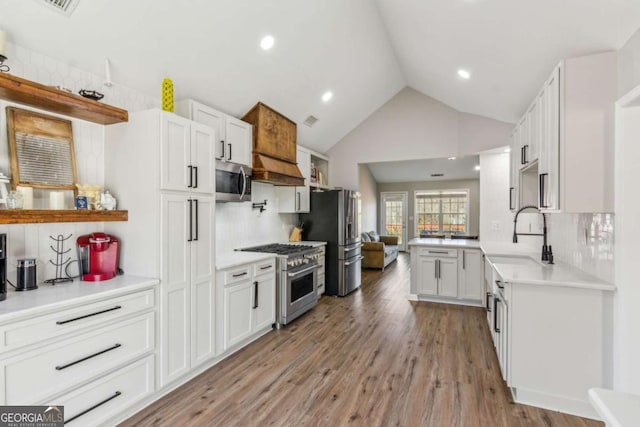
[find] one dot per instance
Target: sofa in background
(378, 251)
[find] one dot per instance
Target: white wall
(412, 126)
(369, 198)
(629, 64)
(32, 240)
(627, 301)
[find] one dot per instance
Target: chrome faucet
(547, 253)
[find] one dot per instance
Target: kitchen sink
(514, 259)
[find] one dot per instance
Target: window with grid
(444, 211)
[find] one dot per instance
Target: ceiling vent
(435, 175)
(310, 121)
(65, 7)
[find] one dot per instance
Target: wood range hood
(274, 147)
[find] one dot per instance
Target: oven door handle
(353, 262)
(306, 270)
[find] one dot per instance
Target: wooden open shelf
(30, 216)
(36, 95)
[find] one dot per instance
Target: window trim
(440, 214)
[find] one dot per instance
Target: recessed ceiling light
(451, 158)
(464, 74)
(326, 97)
(507, 150)
(267, 42)
(477, 167)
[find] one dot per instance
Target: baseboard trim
(567, 405)
(445, 300)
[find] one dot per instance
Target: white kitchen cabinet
(571, 124)
(437, 272)
(264, 302)
(238, 312)
(470, 274)
(185, 148)
(246, 303)
(447, 274)
(82, 353)
(427, 275)
(234, 136)
(170, 231)
(514, 167)
(297, 199)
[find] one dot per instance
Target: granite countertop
(445, 243)
(52, 297)
(233, 259)
(538, 273)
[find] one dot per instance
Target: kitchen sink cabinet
(234, 136)
(170, 232)
(246, 303)
(297, 199)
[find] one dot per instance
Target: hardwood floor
(370, 359)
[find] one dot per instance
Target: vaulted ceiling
(364, 51)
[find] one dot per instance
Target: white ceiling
(365, 51)
(421, 170)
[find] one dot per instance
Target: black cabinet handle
(499, 283)
(97, 405)
(222, 142)
(496, 300)
(488, 303)
(435, 269)
(297, 200)
(464, 260)
(526, 154)
(255, 294)
(60, 368)
(190, 177)
(195, 169)
(62, 322)
(230, 152)
(196, 208)
(511, 191)
(522, 155)
(266, 267)
(239, 274)
(190, 239)
(543, 180)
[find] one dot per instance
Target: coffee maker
(98, 256)
(3, 267)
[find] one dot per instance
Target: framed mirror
(41, 151)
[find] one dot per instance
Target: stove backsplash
(238, 225)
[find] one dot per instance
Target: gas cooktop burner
(279, 248)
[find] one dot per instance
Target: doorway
(393, 216)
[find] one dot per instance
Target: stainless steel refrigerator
(335, 219)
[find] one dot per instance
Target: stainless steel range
(297, 279)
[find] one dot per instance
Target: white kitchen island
(446, 270)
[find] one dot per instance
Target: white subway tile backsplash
(585, 241)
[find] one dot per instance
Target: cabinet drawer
(438, 252)
(237, 274)
(100, 400)
(19, 334)
(264, 267)
(37, 374)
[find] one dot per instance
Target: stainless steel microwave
(233, 182)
